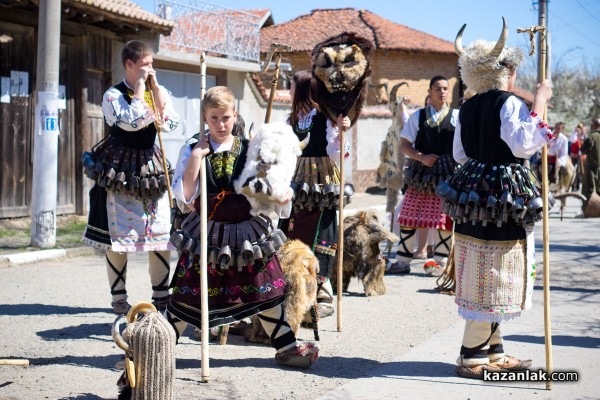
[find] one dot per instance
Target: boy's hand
(343, 122)
(429, 160)
(202, 148)
(288, 196)
(544, 89)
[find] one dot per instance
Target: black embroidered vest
(437, 139)
(141, 139)
(480, 128)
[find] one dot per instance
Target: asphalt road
(56, 314)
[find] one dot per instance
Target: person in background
(591, 171)
(559, 162)
(576, 140)
(316, 183)
(427, 140)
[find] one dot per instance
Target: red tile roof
(126, 10)
(525, 95)
(304, 32)
(281, 95)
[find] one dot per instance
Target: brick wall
(396, 66)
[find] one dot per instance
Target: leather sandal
(476, 371)
(510, 363)
(301, 356)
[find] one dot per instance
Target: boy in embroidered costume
(316, 183)
(427, 140)
(493, 202)
(244, 275)
(128, 209)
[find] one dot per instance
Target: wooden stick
(545, 227)
(545, 214)
(157, 117)
(340, 246)
(223, 334)
(275, 48)
(15, 362)
(390, 244)
(273, 88)
(203, 237)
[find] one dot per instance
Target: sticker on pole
(46, 113)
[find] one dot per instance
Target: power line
(575, 30)
(587, 11)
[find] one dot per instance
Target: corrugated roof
(304, 32)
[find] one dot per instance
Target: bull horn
(500, 43)
(304, 143)
(395, 89)
(251, 131)
(116, 334)
(458, 41)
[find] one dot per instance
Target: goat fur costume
(300, 266)
(391, 158)
(362, 254)
(341, 66)
(270, 166)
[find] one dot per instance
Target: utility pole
(45, 142)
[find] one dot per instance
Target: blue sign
(51, 124)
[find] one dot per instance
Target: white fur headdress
(486, 65)
(270, 166)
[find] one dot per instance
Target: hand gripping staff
(157, 123)
(543, 31)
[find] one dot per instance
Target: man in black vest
(426, 139)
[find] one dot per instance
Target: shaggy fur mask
(486, 65)
(341, 65)
(482, 72)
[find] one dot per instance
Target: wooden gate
(17, 125)
(16, 121)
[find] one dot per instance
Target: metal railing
(202, 26)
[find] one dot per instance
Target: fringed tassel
(446, 283)
(315, 321)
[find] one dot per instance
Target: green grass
(73, 227)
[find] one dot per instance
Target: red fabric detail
(422, 210)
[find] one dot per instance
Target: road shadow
(585, 342)
(104, 362)
(430, 371)
(86, 396)
(329, 367)
(47, 309)
(568, 289)
(83, 331)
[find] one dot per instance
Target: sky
(572, 23)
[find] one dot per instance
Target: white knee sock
(116, 269)
(159, 268)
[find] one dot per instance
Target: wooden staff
(157, 124)
(275, 48)
(541, 28)
(340, 246)
(15, 362)
(203, 234)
